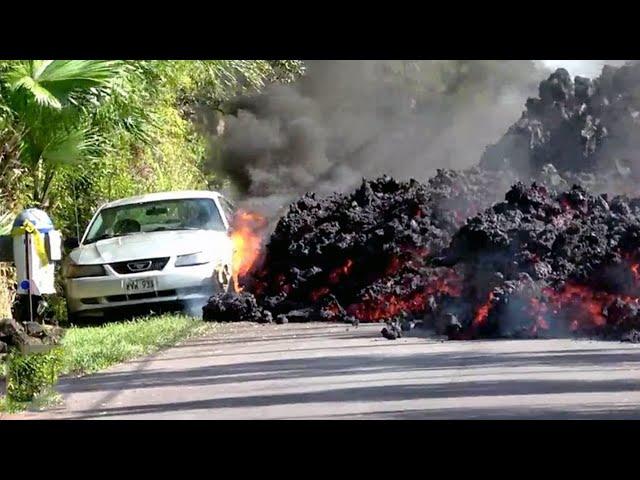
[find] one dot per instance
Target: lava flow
(480, 318)
(512, 247)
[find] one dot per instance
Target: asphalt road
(321, 371)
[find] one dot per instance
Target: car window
(181, 214)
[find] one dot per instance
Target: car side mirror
(71, 243)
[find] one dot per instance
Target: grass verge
(90, 349)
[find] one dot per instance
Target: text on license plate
(140, 285)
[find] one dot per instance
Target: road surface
(322, 371)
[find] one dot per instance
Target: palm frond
(68, 148)
(64, 76)
(22, 76)
(52, 82)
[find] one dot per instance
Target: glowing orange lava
(483, 312)
(334, 276)
(583, 305)
(387, 306)
(586, 305)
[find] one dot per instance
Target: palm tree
(52, 102)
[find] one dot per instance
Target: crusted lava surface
(587, 129)
(366, 255)
(549, 264)
(232, 307)
(553, 257)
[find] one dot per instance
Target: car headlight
(199, 258)
(82, 271)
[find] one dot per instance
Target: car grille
(139, 266)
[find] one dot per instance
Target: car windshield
(163, 215)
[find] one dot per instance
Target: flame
(246, 234)
(579, 307)
(583, 307)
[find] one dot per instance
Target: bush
(30, 375)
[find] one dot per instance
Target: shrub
(31, 374)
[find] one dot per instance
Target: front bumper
(94, 296)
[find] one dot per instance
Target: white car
(161, 248)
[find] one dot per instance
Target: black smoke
(345, 120)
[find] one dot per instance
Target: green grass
(90, 349)
(42, 401)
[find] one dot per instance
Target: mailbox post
(37, 245)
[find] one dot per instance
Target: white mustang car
(162, 248)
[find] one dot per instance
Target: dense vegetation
(77, 133)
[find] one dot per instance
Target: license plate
(140, 286)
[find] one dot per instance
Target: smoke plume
(345, 120)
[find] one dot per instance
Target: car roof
(154, 197)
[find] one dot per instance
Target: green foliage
(46, 99)
(45, 399)
(11, 169)
(51, 83)
(30, 375)
(78, 133)
(6, 221)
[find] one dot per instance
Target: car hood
(152, 245)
